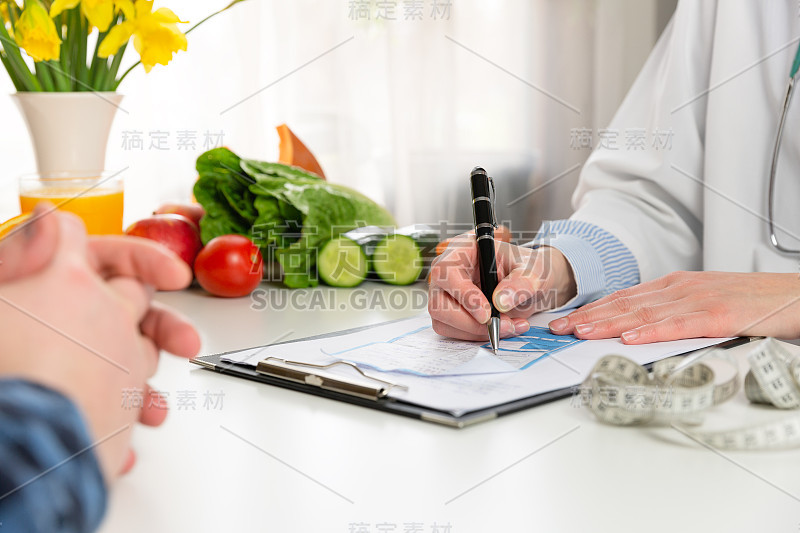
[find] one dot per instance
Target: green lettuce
(288, 212)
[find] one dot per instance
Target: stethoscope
(775, 151)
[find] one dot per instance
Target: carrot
(292, 151)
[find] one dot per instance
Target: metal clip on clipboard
(283, 369)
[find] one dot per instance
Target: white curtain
(400, 106)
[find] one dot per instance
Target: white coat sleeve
(650, 197)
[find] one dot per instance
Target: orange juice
(100, 208)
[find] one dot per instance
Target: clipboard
(369, 391)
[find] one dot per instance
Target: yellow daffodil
(155, 34)
(99, 13)
(36, 33)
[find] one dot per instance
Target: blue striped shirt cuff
(50, 477)
(601, 263)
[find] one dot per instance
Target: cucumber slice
(342, 263)
(426, 238)
(397, 260)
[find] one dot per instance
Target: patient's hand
(77, 317)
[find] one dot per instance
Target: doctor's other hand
(685, 305)
(530, 281)
(77, 317)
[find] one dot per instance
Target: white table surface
(270, 459)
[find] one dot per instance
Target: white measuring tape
(680, 389)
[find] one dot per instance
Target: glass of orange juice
(96, 199)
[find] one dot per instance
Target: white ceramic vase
(69, 131)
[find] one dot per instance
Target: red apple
(193, 212)
(176, 232)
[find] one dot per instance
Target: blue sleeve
(50, 479)
(601, 263)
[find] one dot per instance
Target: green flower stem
(100, 79)
(109, 82)
(12, 13)
(66, 46)
(97, 72)
(212, 15)
(61, 23)
(75, 47)
(61, 80)
(116, 84)
(71, 43)
(43, 74)
(98, 63)
(83, 44)
(59, 68)
(18, 85)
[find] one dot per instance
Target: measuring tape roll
(622, 392)
(619, 391)
(774, 376)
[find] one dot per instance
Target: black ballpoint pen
(483, 214)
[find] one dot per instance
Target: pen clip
(493, 201)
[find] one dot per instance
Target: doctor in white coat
(689, 224)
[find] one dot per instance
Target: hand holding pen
(529, 281)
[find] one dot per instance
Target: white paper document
(460, 376)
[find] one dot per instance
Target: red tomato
(229, 266)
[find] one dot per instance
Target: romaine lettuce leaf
(287, 211)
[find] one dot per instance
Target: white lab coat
(731, 59)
